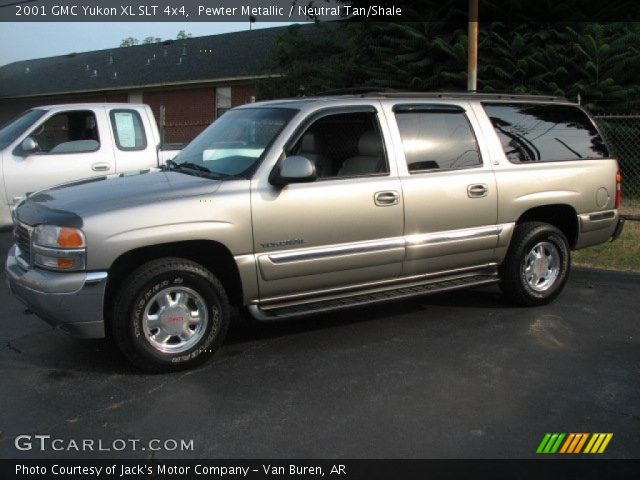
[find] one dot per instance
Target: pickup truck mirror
(28, 145)
(294, 169)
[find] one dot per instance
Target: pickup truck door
(71, 145)
(134, 142)
(449, 188)
(343, 229)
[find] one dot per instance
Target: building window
(223, 100)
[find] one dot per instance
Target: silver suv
(294, 207)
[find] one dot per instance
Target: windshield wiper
(200, 170)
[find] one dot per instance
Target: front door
(71, 145)
(343, 229)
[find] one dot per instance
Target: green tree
(149, 40)
(129, 42)
(182, 35)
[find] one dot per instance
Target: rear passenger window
(545, 133)
(437, 139)
(128, 130)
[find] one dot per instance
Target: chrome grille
(23, 240)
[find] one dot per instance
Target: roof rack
(469, 95)
(355, 91)
(365, 92)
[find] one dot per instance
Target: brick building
(188, 83)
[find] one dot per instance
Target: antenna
(115, 75)
(94, 74)
(111, 59)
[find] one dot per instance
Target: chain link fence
(623, 136)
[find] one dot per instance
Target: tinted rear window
(545, 133)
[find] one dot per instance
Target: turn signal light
(70, 238)
(65, 263)
(618, 189)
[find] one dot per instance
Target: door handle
(386, 199)
(477, 190)
(100, 167)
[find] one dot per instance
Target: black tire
(131, 303)
(513, 271)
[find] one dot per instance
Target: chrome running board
(321, 304)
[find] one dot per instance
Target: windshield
(17, 127)
(233, 144)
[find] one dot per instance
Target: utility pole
(472, 70)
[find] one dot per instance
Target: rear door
(72, 144)
(133, 142)
(449, 188)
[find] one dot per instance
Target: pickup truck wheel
(537, 264)
(170, 314)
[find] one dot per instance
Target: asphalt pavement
(456, 375)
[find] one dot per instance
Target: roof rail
(466, 95)
(355, 91)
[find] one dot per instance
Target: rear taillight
(618, 189)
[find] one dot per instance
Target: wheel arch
(562, 216)
(212, 255)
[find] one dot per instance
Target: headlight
(58, 237)
(59, 248)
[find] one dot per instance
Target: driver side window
(344, 145)
(68, 132)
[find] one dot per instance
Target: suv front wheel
(537, 264)
(170, 314)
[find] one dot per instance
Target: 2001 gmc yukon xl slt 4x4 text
(294, 207)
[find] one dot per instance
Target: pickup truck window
(17, 127)
(128, 130)
(437, 140)
(344, 145)
(68, 132)
(532, 132)
(234, 144)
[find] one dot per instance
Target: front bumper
(71, 301)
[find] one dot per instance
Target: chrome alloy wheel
(175, 319)
(542, 266)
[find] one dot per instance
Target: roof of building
(225, 56)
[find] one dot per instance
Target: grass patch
(623, 254)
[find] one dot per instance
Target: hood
(67, 204)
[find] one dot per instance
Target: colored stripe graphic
(573, 443)
(550, 443)
(598, 442)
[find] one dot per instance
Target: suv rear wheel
(170, 314)
(537, 264)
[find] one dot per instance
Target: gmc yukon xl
(293, 207)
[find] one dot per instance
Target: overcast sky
(24, 41)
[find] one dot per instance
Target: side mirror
(29, 145)
(294, 169)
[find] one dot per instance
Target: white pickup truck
(55, 144)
